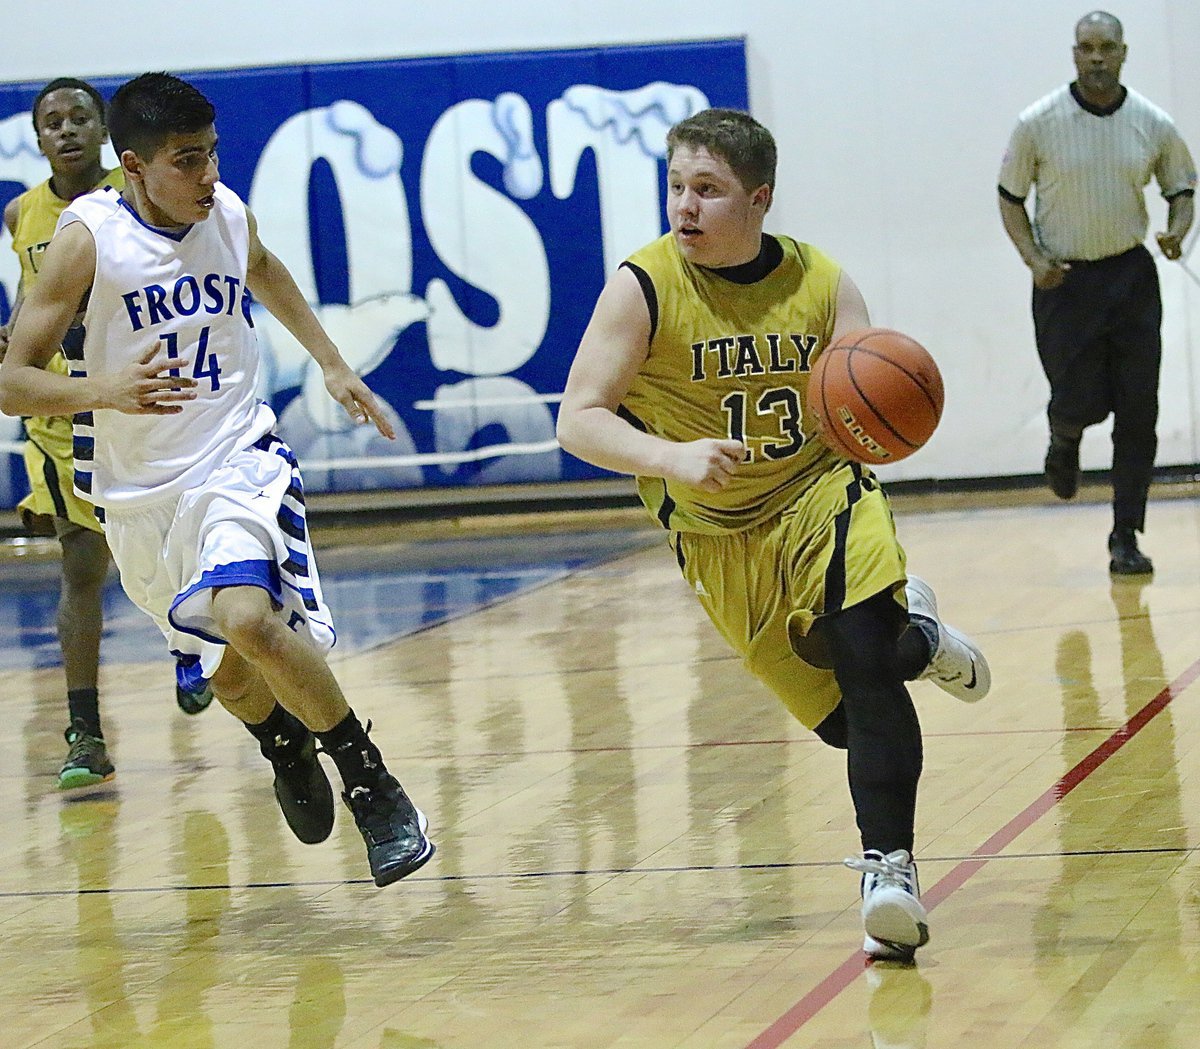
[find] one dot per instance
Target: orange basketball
(877, 395)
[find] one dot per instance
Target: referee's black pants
(1098, 336)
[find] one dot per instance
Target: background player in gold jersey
(692, 375)
(68, 117)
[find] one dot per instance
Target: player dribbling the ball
(692, 375)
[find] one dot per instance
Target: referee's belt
(1106, 258)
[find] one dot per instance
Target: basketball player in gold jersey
(68, 117)
(692, 376)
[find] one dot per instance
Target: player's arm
(852, 314)
(26, 388)
(613, 348)
(270, 282)
(12, 212)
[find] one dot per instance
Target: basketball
(876, 394)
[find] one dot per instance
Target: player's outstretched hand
(708, 464)
(355, 396)
(148, 387)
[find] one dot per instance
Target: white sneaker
(958, 666)
(895, 922)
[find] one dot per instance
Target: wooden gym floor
(636, 846)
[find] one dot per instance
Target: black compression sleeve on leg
(884, 751)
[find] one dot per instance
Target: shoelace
(896, 868)
(83, 747)
(321, 750)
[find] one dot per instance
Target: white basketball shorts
(244, 526)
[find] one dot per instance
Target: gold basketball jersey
(730, 360)
(38, 211)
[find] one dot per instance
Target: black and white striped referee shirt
(1090, 167)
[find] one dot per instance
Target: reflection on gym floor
(636, 846)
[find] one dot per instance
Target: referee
(1090, 147)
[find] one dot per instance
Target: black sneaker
(194, 702)
(87, 759)
(301, 786)
(1124, 556)
(1062, 467)
(393, 828)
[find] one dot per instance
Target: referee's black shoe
(301, 786)
(393, 828)
(1124, 556)
(1062, 467)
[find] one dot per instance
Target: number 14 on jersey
(206, 365)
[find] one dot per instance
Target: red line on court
(846, 973)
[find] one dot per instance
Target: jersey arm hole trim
(1012, 198)
(1188, 192)
(643, 278)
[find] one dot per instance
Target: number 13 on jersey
(781, 401)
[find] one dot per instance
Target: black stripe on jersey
(1179, 193)
(632, 419)
(297, 570)
(50, 476)
(667, 508)
(1012, 198)
(83, 419)
(72, 344)
(668, 504)
(676, 542)
(83, 448)
(643, 278)
(835, 573)
(289, 528)
(854, 489)
(295, 491)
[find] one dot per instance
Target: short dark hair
(736, 137)
(67, 83)
(146, 110)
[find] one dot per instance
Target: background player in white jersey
(692, 375)
(204, 506)
(1091, 147)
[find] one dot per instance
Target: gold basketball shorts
(764, 588)
(52, 507)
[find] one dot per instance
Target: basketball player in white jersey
(203, 505)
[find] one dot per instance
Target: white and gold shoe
(895, 922)
(958, 666)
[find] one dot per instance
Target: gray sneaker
(87, 759)
(958, 666)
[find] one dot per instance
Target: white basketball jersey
(182, 292)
